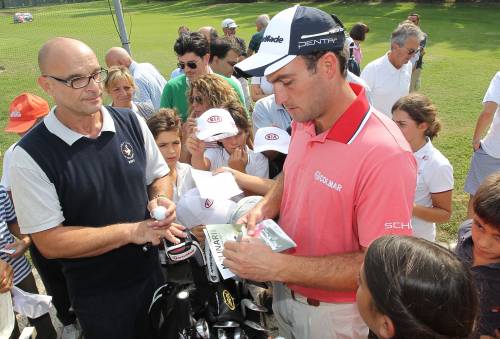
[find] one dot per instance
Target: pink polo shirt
(346, 186)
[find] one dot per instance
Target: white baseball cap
(297, 30)
(193, 210)
(215, 124)
(229, 23)
(271, 139)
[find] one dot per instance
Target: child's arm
(22, 242)
(197, 149)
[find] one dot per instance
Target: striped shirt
(20, 265)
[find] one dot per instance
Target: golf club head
(227, 324)
(251, 305)
(254, 325)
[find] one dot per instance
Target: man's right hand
(6, 276)
(143, 232)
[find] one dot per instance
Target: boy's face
(486, 240)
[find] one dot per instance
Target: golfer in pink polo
(349, 178)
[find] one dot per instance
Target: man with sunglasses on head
(388, 77)
(193, 54)
(83, 182)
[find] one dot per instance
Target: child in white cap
(232, 152)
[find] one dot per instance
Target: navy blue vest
(99, 182)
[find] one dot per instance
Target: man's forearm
(161, 186)
(78, 242)
(334, 272)
(272, 200)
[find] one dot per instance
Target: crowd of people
(340, 155)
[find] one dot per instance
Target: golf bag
(208, 307)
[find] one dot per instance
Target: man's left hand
(170, 214)
(251, 259)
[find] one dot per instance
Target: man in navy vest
(83, 183)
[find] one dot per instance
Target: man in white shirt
(83, 182)
(389, 76)
(486, 157)
(149, 81)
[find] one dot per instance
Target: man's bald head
(117, 56)
(209, 32)
(55, 50)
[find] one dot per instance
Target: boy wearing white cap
(348, 179)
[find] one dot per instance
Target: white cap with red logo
(215, 124)
(271, 139)
(193, 210)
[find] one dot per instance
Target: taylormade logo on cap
(298, 30)
(269, 38)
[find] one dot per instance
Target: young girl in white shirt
(232, 152)
(416, 117)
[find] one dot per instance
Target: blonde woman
(120, 86)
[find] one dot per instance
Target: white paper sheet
(221, 186)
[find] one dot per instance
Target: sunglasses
(196, 98)
(190, 64)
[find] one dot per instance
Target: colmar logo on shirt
(208, 203)
(272, 136)
(214, 119)
(318, 176)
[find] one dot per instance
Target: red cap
(24, 112)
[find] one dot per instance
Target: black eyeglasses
(196, 98)
(80, 82)
(190, 64)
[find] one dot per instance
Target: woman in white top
(120, 86)
(416, 117)
(260, 88)
(233, 151)
(165, 126)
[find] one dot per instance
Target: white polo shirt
(387, 83)
(491, 142)
(434, 175)
(257, 165)
(265, 86)
(267, 113)
(35, 197)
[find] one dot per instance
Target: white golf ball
(159, 213)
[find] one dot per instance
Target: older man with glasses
(193, 54)
(388, 77)
(84, 182)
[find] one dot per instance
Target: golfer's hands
(251, 259)
(252, 218)
(238, 160)
(6, 276)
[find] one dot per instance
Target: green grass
(462, 56)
